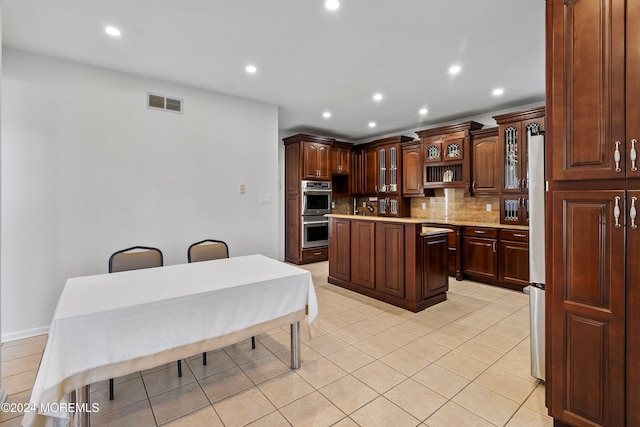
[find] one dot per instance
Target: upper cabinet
(514, 129)
(596, 90)
(315, 161)
(311, 160)
(593, 285)
(370, 170)
(445, 154)
(340, 158)
(388, 157)
(411, 169)
(485, 162)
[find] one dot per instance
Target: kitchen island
(396, 260)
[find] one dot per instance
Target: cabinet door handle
(317, 253)
(633, 212)
(519, 235)
(616, 212)
(616, 156)
(495, 246)
(479, 232)
(633, 154)
(473, 186)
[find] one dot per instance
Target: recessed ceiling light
(454, 69)
(377, 97)
(112, 31)
(423, 111)
(251, 69)
(498, 92)
(332, 4)
(372, 124)
(326, 114)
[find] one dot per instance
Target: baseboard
(26, 333)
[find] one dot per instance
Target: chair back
(207, 250)
(135, 258)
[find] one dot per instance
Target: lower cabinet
(435, 279)
(340, 255)
(498, 257)
(481, 253)
(362, 253)
(513, 258)
(390, 258)
(392, 261)
(454, 249)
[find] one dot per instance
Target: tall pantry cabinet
(593, 291)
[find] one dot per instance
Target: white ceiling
(309, 59)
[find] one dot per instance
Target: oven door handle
(315, 222)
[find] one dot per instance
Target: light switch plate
(243, 188)
(488, 207)
(424, 206)
(265, 198)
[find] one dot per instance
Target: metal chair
(135, 258)
(207, 250)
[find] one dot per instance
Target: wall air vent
(161, 102)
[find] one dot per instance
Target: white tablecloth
(108, 325)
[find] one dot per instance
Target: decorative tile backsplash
(450, 204)
(447, 204)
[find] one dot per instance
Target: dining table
(111, 325)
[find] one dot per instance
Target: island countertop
(413, 220)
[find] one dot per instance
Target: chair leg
(204, 358)
(253, 342)
(180, 368)
(111, 389)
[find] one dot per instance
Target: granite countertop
(431, 231)
(412, 220)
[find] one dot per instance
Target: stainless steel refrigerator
(537, 189)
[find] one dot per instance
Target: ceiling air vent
(161, 102)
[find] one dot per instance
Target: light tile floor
(464, 362)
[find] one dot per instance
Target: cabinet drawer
(514, 235)
(315, 255)
(489, 233)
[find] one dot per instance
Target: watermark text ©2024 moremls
(50, 407)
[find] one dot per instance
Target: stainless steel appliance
(537, 189)
(316, 198)
(315, 231)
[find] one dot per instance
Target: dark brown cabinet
(340, 250)
(514, 209)
(454, 249)
(340, 160)
(395, 262)
(411, 170)
(307, 157)
(390, 258)
(513, 130)
(315, 161)
(588, 333)
(435, 279)
(513, 258)
(481, 253)
(445, 154)
(362, 253)
(593, 322)
(485, 163)
(356, 182)
(370, 170)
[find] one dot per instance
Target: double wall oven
(316, 202)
